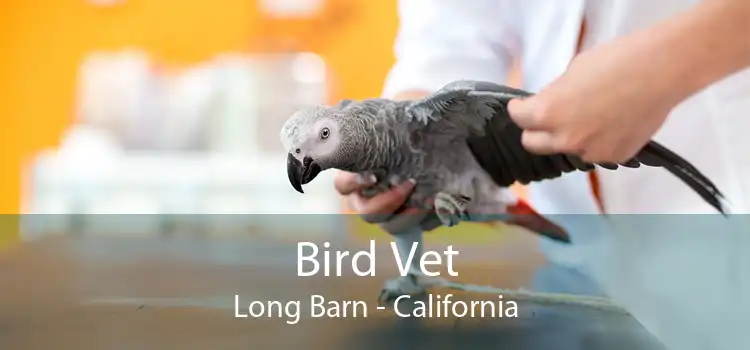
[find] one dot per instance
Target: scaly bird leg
(414, 282)
(452, 208)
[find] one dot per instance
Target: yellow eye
(325, 133)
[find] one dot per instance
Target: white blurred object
(308, 68)
(146, 110)
(89, 144)
(206, 140)
(189, 100)
(236, 122)
(117, 91)
(291, 8)
(234, 104)
(70, 182)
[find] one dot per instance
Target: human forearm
(700, 46)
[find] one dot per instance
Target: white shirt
(445, 40)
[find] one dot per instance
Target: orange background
(43, 43)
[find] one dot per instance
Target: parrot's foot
(411, 284)
(451, 208)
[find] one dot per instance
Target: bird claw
(451, 208)
(408, 285)
(388, 297)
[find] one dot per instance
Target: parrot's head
(315, 140)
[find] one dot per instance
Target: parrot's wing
(479, 109)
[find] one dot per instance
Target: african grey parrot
(460, 146)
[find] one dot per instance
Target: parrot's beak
(301, 173)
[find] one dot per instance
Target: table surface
(177, 292)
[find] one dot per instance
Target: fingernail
(361, 180)
(408, 185)
(366, 180)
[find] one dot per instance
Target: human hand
(377, 209)
(605, 107)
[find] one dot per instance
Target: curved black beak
(301, 173)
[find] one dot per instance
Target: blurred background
(174, 106)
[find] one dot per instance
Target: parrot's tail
(524, 215)
(655, 154)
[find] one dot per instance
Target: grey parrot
(461, 147)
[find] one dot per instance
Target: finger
(347, 183)
(523, 112)
(384, 203)
(538, 142)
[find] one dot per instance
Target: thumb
(406, 187)
(522, 112)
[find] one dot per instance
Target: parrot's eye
(297, 151)
(324, 133)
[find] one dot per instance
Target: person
(609, 75)
(640, 62)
